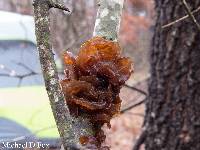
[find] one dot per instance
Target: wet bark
(172, 119)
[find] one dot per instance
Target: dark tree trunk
(172, 119)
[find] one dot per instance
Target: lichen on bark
(56, 97)
(108, 19)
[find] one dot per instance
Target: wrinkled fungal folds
(93, 80)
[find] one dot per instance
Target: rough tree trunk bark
(172, 119)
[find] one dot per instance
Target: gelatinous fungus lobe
(93, 80)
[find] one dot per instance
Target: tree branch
(56, 97)
(190, 14)
(180, 19)
(13, 73)
(140, 140)
(55, 4)
(136, 89)
(133, 106)
(108, 19)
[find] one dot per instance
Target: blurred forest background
(69, 31)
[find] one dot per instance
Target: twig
(140, 140)
(180, 19)
(18, 76)
(133, 106)
(58, 5)
(56, 97)
(25, 67)
(136, 89)
(190, 14)
(136, 114)
(136, 104)
(13, 74)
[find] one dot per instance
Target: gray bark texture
(108, 19)
(56, 97)
(172, 120)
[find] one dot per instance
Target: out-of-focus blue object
(18, 51)
(19, 58)
(11, 130)
(15, 26)
(24, 104)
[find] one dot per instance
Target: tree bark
(108, 19)
(60, 110)
(172, 120)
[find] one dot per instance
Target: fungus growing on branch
(92, 83)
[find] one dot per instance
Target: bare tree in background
(70, 30)
(20, 6)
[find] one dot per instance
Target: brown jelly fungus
(93, 80)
